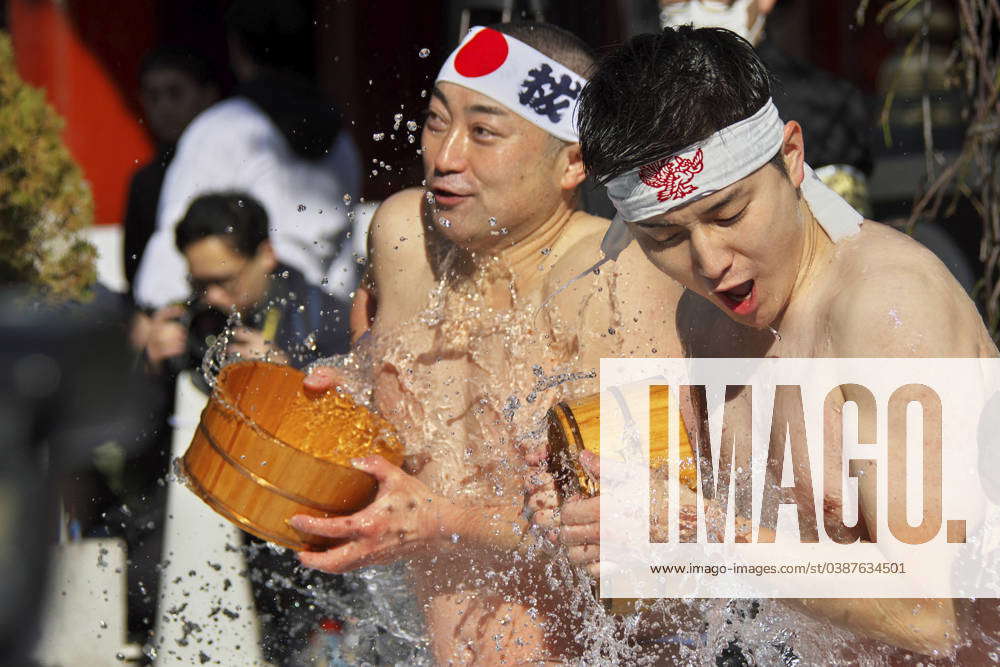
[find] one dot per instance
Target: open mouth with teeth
(741, 299)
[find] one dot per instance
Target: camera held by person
(233, 270)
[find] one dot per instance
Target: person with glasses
(233, 269)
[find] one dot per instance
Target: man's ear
(574, 172)
(265, 254)
(793, 152)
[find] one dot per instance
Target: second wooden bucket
(575, 426)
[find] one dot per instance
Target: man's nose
(712, 257)
(451, 156)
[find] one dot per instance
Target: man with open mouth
(715, 188)
(478, 329)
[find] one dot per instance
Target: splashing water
(467, 385)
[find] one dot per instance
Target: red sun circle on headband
(484, 54)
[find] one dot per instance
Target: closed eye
(731, 219)
(661, 238)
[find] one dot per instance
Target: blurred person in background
(277, 139)
(232, 268)
(175, 85)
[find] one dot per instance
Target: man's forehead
(701, 206)
(454, 96)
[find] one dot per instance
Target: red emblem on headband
(483, 54)
(673, 175)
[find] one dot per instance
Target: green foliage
(44, 202)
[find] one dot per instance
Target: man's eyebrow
(656, 225)
(483, 108)
(722, 203)
(436, 92)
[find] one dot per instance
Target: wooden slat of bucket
(582, 427)
(262, 391)
(576, 425)
(254, 508)
(331, 487)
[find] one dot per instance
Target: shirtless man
(472, 335)
(715, 188)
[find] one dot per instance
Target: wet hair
(274, 33)
(660, 93)
(236, 217)
(561, 45)
(178, 58)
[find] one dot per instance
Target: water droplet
(347, 198)
(301, 207)
(424, 52)
(493, 222)
(378, 136)
(411, 125)
(444, 222)
(396, 120)
(454, 538)
(229, 229)
(239, 202)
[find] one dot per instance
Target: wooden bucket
(575, 426)
(264, 451)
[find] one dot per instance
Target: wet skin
(483, 162)
(757, 257)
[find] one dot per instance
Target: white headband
(732, 153)
(524, 80)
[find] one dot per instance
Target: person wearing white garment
(276, 139)
(714, 187)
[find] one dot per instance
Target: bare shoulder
(629, 296)
(396, 248)
(578, 249)
(398, 215)
(894, 297)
